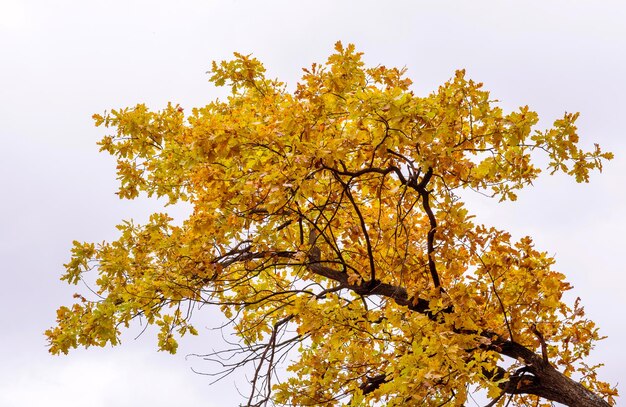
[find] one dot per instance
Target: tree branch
(543, 379)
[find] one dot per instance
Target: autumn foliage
(328, 227)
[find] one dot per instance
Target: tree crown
(328, 222)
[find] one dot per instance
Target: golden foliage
(329, 219)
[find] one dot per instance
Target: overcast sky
(62, 61)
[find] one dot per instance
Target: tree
(328, 225)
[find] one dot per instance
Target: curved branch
(368, 244)
(430, 238)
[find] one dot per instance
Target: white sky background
(62, 61)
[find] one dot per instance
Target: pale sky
(62, 61)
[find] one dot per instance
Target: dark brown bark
(540, 378)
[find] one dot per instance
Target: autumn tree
(328, 227)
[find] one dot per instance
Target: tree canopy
(328, 226)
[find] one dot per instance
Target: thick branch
(543, 379)
(396, 293)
